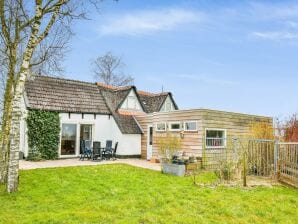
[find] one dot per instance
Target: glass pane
(175, 126)
(214, 134)
(215, 138)
(68, 139)
(190, 126)
(150, 135)
(161, 127)
(86, 134)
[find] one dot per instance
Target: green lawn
(125, 194)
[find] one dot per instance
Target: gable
(168, 105)
(131, 102)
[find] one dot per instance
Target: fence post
(235, 153)
(275, 157)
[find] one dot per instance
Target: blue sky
(237, 56)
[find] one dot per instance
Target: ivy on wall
(43, 134)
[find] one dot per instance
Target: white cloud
(292, 24)
(148, 21)
(278, 35)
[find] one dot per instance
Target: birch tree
(26, 26)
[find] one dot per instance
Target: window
(131, 102)
(175, 126)
(161, 127)
(215, 138)
(168, 105)
(150, 136)
(190, 126)
(68, 139)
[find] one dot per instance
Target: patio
(29, 165)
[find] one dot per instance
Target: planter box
(173, 169)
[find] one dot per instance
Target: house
(134, 118)
(93, 111)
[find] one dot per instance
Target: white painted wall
(104, 128)
(129, 144)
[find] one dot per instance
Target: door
(85, 132)
(68, 139)
(149, 142)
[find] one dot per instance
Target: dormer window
(168, 105)
(131, 102)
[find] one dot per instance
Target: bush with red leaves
(291, 129)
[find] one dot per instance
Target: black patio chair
(96, 150)
(115, 151)
(108, 150)
(86, 152)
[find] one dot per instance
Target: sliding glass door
(68, 139)
(85, 133)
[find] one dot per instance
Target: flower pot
(173, 169)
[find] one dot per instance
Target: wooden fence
(267, 158)
(287, 163)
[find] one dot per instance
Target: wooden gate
(287, 163)
(260, 158)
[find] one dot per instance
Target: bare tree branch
(109, 69)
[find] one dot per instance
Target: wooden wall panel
(236, 124)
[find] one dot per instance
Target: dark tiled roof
(153, 102)
(62, 95)
(126, 123)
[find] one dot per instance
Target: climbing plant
(43, 134)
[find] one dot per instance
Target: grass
(124, 194)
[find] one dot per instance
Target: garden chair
(96, 150)
(86, 151)
(115, 151)
(108, 151)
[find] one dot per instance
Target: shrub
(262, 130)
(227, 170)
(43, 134)
(168, 146)
(291, 129)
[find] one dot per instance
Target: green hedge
(43, 134)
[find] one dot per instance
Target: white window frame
(175, 122)
(165, 124)
(225, 138)
(184, 126)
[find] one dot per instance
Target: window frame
(175, 122)
(224, 138)
(165, 124)
(184, 126)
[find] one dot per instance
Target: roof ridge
(145, 93)
(112, 87)
(63, 79)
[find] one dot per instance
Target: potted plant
(168, 148)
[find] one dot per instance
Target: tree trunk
(13, 164)
(6, 122)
